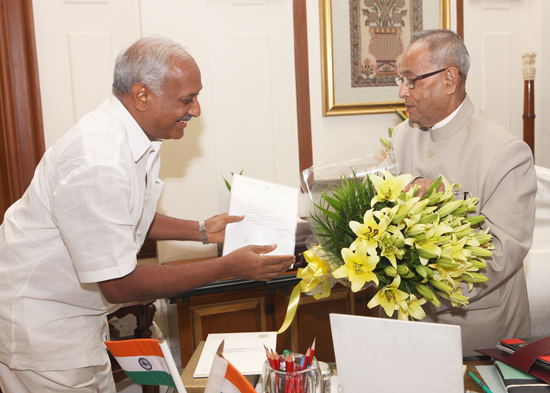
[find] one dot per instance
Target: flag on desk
(225, 378)
(147, 361)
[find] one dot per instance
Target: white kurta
(82, 220)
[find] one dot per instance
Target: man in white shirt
(447, 135)
(68, 246)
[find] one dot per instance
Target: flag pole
(170, 361)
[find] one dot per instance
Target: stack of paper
(245, 351)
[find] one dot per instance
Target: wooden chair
(144, 312)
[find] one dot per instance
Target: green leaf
(433, 188)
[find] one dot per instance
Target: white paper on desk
(270, 211)
(245, 351)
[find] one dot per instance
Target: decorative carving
(529, 66)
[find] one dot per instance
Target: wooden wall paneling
(246, 310)
(305, 148)
(460, 18)
(529, 99)
(21, 128)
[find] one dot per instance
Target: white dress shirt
(82, 220)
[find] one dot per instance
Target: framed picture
(362, 42)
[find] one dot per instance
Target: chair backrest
(537, 261)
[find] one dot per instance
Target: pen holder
(309, 380)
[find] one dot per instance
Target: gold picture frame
(336, 99)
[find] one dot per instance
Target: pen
(485, 388)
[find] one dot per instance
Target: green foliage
(227, 184)
(337, 207)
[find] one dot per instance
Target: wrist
(202, 231)
(421, 176)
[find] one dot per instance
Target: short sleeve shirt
(82, 220)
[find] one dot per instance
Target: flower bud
(473, 277)
(402, 270)
(477, 263)
(458, 298)
(479, 251)
(385, 142)
(423, 253)
(399, 243)
(421, 271)
(428, 219)
(442, 286)
(473, 220)
(390, 271)
(449, 207)
(425, 291)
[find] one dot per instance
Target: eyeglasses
(409, 82)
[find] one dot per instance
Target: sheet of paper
(245, 351)
(271, 213)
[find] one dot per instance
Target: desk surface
(469, 383)
(197, 385)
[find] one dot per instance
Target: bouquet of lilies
(415, 250)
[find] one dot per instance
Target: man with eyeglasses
(447, 135)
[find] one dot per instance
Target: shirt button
(139, 233)
(430, 153)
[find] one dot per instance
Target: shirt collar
(456, 122)
(138, 140)
(448, 118)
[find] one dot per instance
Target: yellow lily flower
(390, 296)
(393, 247)
(414, 309)
(358, 267)
(428, 247)
(403, 208)
(388, 188)
(370, 231)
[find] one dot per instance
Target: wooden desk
(236, 305)
(197, 385)
(469, 383)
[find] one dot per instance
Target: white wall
(497, 33)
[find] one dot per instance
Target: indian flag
(147, 362)
(224, 377)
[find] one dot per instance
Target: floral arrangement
(372, 230)
(384, 12)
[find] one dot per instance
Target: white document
(245, 351)
(271, 212)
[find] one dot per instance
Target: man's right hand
(252, 263)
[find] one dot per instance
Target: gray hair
(148, 61)
(447, 49)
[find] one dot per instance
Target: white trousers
(97, 379)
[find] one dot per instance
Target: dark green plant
(337, 207)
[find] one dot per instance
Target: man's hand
(215, 226)
(424, 184)
(250, 263)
